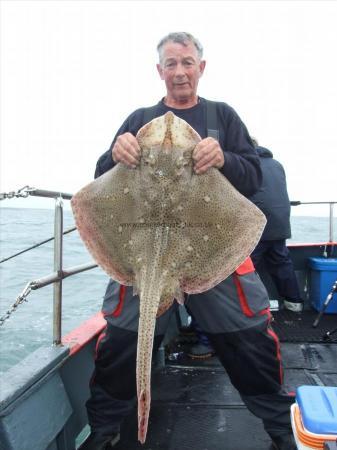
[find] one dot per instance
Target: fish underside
(164, 230)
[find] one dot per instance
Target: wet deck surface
(195, 407)
(292, 327)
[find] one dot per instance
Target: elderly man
(235, 314)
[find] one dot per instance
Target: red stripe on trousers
(246, 267)
(119, 307)
(278, 352)
(267, 312)
(100, 337)
(276, 340)
(242, 298)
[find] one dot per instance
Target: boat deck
(194, 405)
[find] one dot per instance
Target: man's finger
(205, 159)
(126, 150)
(212, 159)
(129, 144)
(129, 160)
(204, 165)
(201, 148)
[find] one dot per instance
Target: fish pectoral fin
(164, 305)
(179, 296)
(166, 301)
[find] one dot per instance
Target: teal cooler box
(323, 274)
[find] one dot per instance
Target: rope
(35, 245)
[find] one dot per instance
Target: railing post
(331, 223)
(58, 264)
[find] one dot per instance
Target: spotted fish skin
(165, 230)
(150, 285)
(163, 168)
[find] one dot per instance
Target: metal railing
(331, 211)
(59, 272)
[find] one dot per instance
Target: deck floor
(195, 407)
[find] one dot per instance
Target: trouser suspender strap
(212, 120)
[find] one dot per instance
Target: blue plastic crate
(323, 274)
(318, 406)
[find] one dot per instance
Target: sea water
(31, 325)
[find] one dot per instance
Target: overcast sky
(71, 71)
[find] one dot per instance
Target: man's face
(181, 69)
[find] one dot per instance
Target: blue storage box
(323, 274)
(318, 407)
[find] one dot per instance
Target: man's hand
(126, 150)
(208, 153)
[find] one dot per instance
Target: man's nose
(180, 70)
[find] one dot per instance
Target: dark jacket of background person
(272, 198)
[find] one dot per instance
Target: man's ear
(202, 66)
(160, 71)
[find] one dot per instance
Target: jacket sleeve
(242, 163)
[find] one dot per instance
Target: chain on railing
(26, 191)
(21, 299)
(23, 192)
(45, 281)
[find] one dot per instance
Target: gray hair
(180, 38)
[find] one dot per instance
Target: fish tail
(144, 401)
(147, 322)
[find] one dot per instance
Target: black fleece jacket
(242, 165)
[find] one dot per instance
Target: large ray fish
(164, 230)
